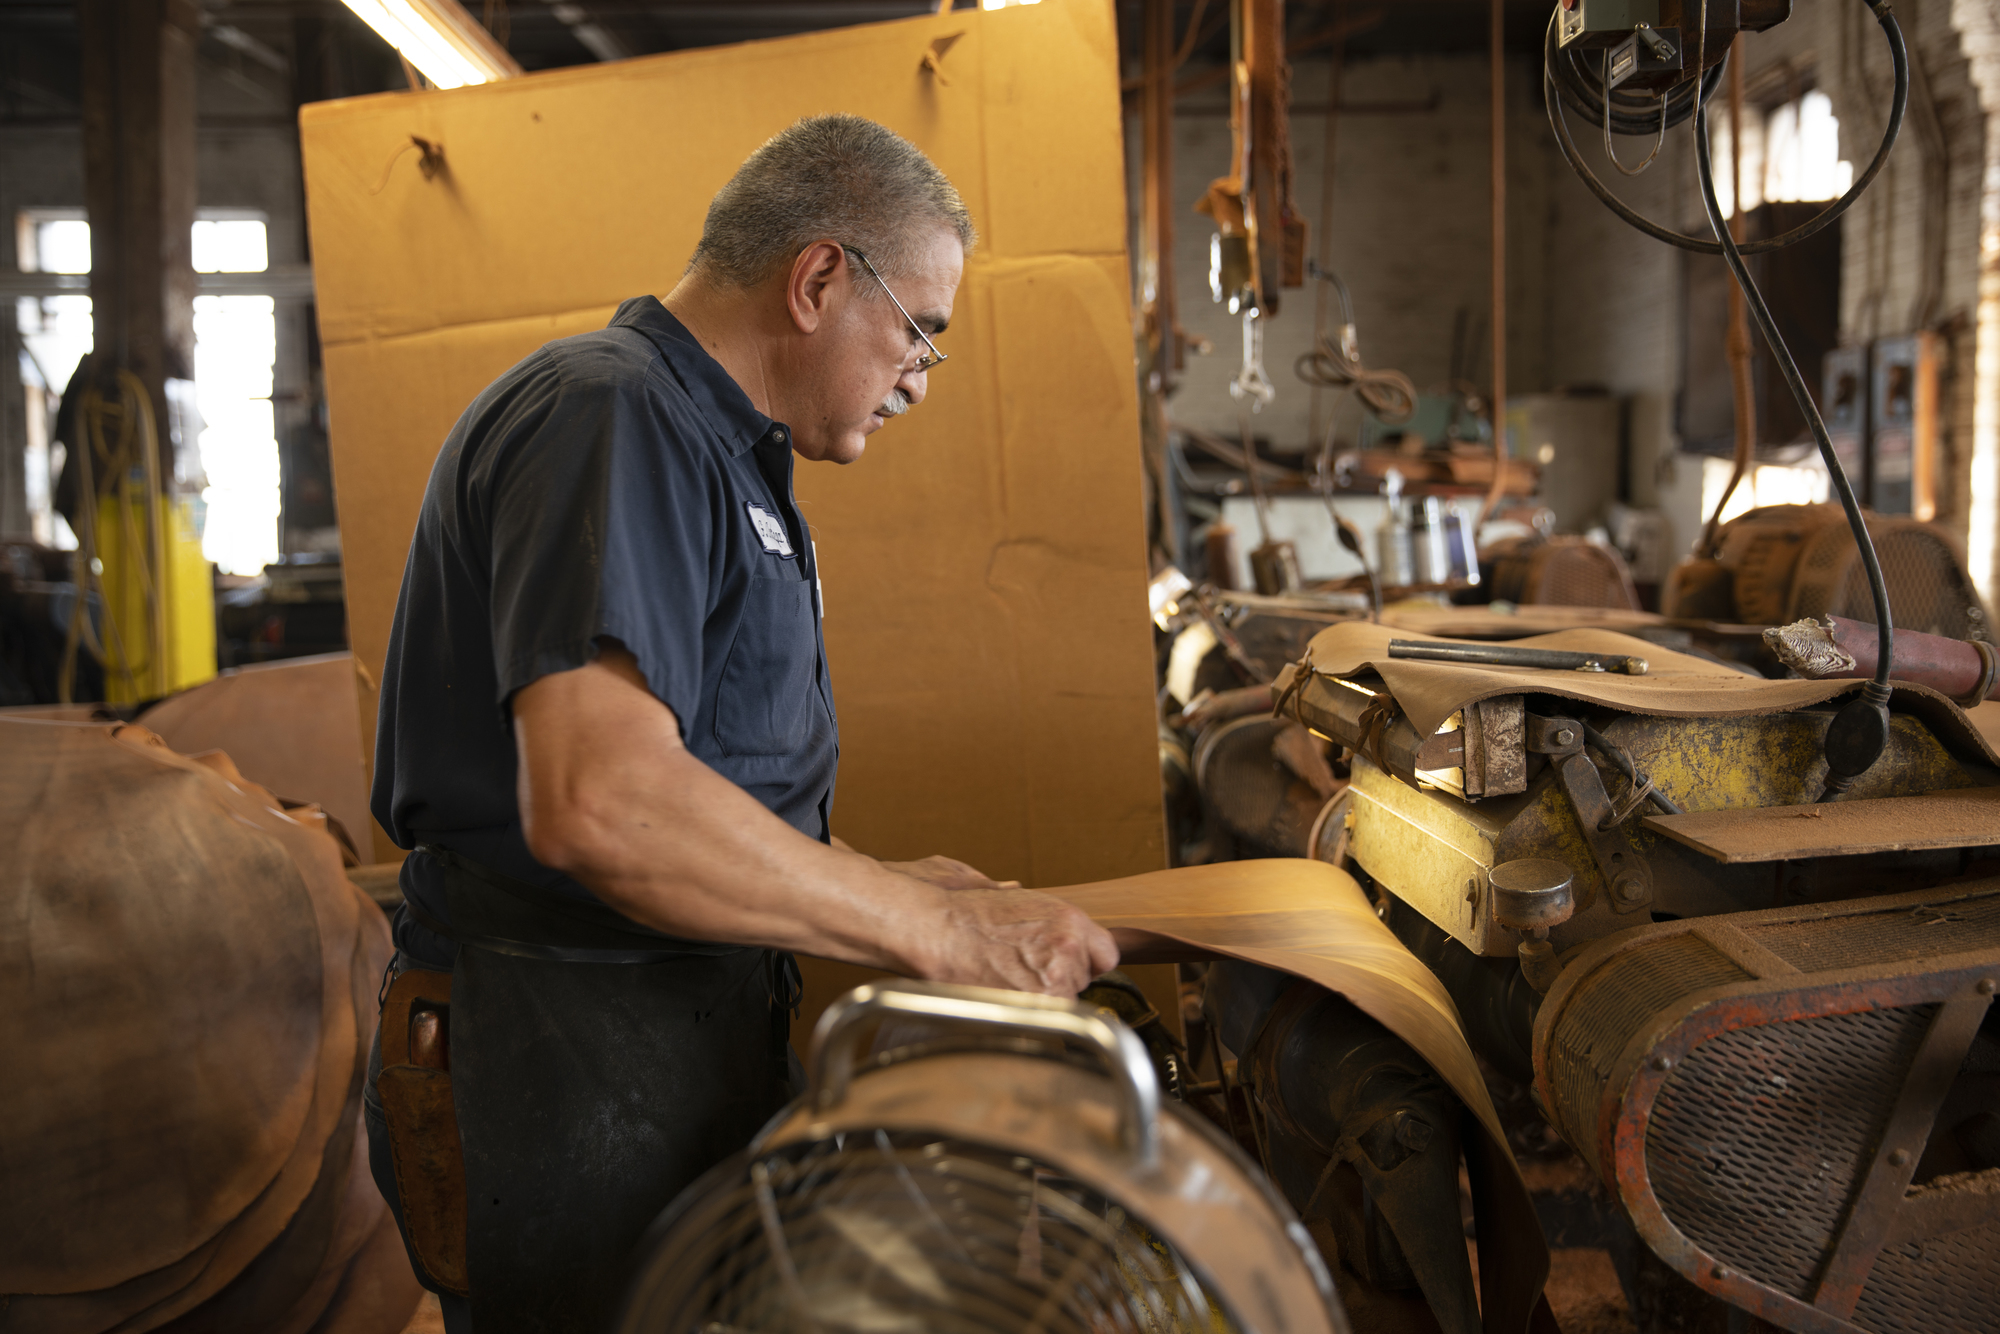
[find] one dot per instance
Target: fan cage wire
(1928, 589)
(887, 1232)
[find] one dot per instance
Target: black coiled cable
(1568, 79)
(1859, 733)
(1578, 76)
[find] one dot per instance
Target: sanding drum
(1796, 1105)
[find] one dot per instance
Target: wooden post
(139, 187)
(140, 544)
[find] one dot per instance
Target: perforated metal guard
(1893, 936)
(1943, 1283)
(1738, 1108)
(1928, 587)
(1760, 1137)
(1604, 1013)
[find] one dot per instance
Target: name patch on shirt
(770, 529)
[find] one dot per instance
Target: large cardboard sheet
(984, 566)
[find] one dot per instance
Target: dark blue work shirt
(616, 485)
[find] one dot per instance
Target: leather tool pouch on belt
(415, 1088)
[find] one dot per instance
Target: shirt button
(778, 436)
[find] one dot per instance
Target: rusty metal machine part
(1967, 671)
(1262, 804)
(1479, 752)
(1794, 1105)
(1356, 1129)
(1678, 835)
(1530, 896)
(1506, 655)
(1436, 852)
(1028, 1177)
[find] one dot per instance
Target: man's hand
(949, 873)
(1022, 940)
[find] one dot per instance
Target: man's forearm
(698, 857)
(610, 796)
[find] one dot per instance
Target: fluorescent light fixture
(1003, 4)
(446, 44)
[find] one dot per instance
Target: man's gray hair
(838, 178)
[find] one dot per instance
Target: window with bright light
(1791, 152)
(230, 245)
(235, 355)
(235, 349)
(1765, 484)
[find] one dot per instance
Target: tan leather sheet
(1675, 684)
(288, 726)
(186, 985)
(1312, 920)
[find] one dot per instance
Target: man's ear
(808, 285)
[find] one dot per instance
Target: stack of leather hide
(187, 996)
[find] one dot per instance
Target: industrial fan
(1003, 1163)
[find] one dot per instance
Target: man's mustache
(895, 405)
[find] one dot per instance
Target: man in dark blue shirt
(608, 731)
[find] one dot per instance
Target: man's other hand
(1021, 940)
(949, 873)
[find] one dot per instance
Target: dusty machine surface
(1764, 1020)
(999, 1162)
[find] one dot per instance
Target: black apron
(591, 1085)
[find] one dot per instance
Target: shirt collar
(715, 393)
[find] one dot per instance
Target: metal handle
(1124, 1056)
(1510, 655)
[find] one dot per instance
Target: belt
(549, 901)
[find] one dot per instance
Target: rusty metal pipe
(1838, 647)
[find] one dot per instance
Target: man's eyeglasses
(931, 356)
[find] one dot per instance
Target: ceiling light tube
(446, 44)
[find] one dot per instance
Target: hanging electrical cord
(1743, 392)
(1390, 395)
(1659, 140)
(1350, 536)
(1860, 731)
(1580, 81)
(1568, 80)
(117, 457)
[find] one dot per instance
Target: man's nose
(914, 383)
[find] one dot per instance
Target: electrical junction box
(1843, 397)
(1595, 23)
(1902, 413)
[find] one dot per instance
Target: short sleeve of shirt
(601, 523)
